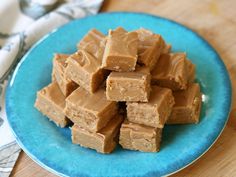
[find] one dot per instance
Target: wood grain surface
(215, 21)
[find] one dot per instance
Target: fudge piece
(121, 50)
(166, 49)
(84, 69)
(129, 86)
(155, 112)
(190, 71)
(58, 74)
(187, 106)
(150, 47)
(171, 72)
(90, 111)
(103, 141)
(94, 43)
(50, 102)
(140, 137)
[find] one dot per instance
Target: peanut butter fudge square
(155, 112)
(140, 137)
(150, 47)
(94, 43)
(58, 74)
(50, 102)
(187, 106)
(103, 141)
(90, 111)
(191, 71)
(84, 69)
(171, 72)
(129, 86)
(121, 50)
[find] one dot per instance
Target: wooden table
(215, 21)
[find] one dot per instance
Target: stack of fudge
(123, 87)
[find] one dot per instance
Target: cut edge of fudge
(59, 66)
(58, 74)
(186, 111)
(66, 85)
(166, 49)
(158, 109)
(133, 86)
(171, 71)
(85, 70)
(59, 60)
(140, 137)
(50, 102)
(103, 141)
(191, 71)
(81, 109)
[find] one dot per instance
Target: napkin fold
(23, 23)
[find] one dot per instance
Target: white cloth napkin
(22, 23)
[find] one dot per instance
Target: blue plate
(51, 146)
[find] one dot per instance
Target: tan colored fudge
(84, 69)
(150, 47)
(166, 49)
(191, 69)
(50, 102)
(94, 43)
(90, 111)
(171, 72)
(187, 106)
(140, 137)
(103, 141)
(155, 112)
(129, 86)
(121, 50)
(58, 74)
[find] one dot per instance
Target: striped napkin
(22, 23)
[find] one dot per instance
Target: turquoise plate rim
(219, 61)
